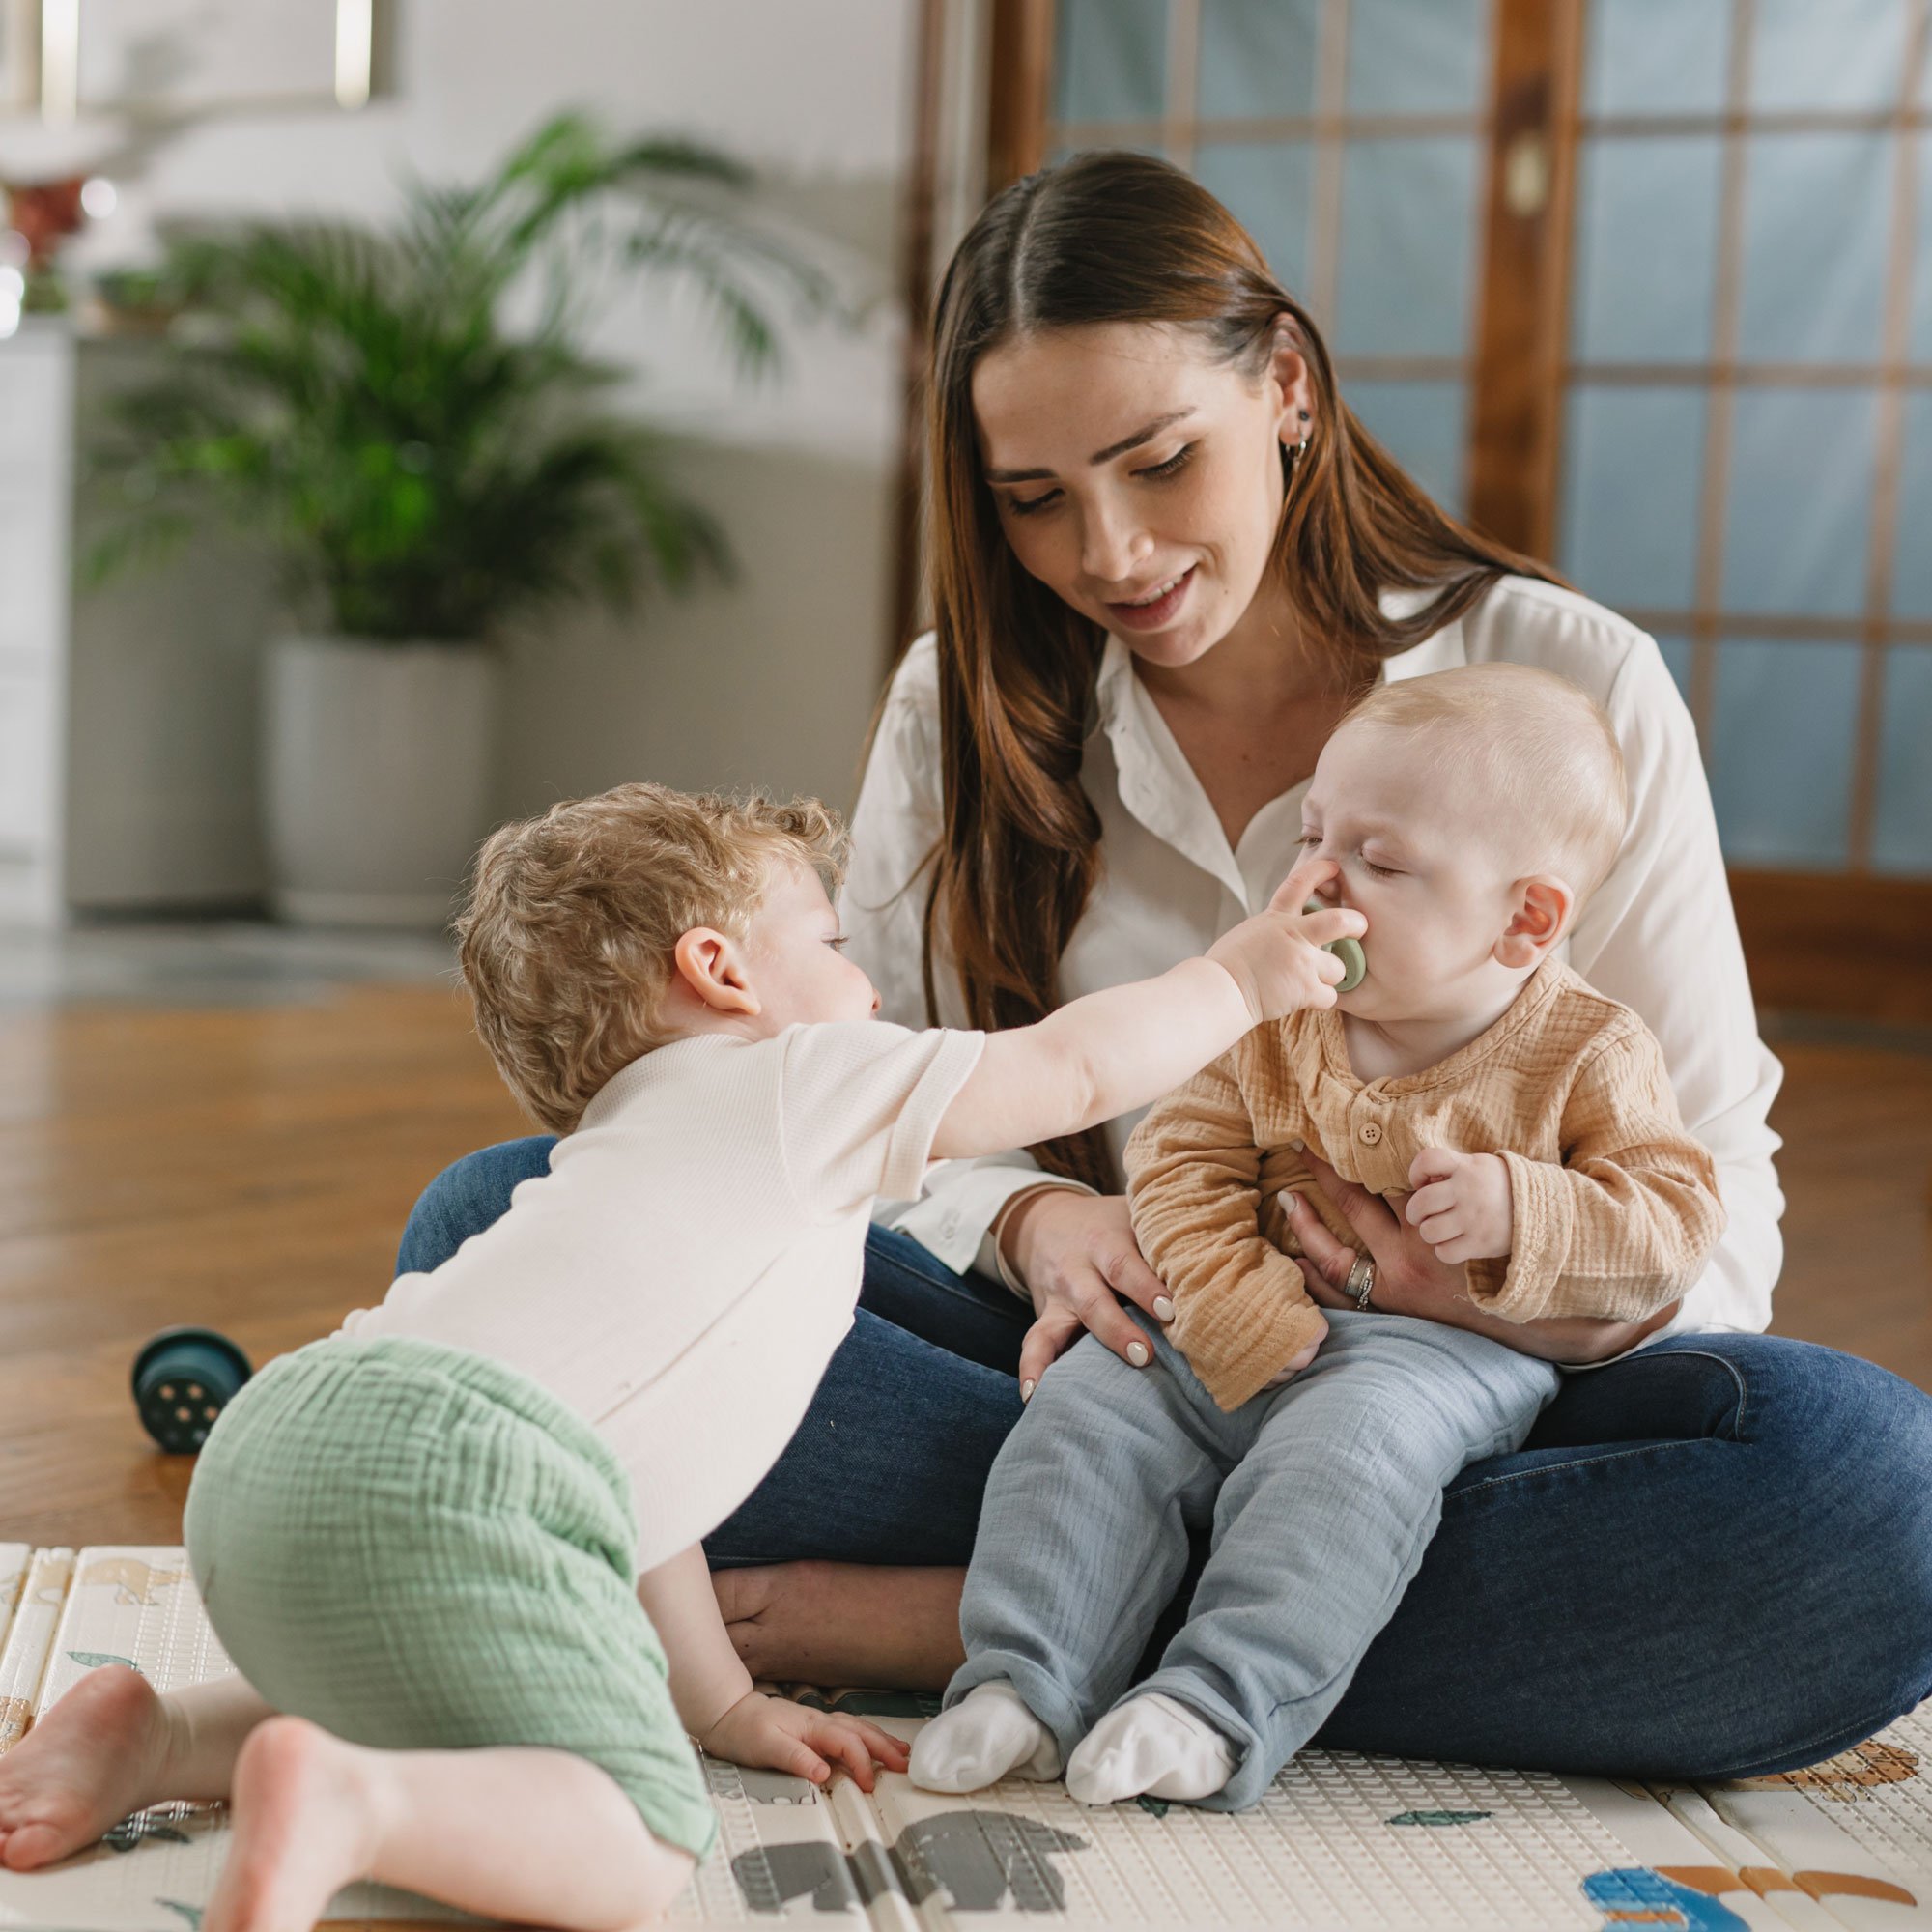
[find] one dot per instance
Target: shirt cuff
(962, 1200)
(1540, 1237)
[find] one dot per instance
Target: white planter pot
(376, 775)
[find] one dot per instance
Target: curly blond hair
(566, 941)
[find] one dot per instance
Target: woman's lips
(1162, 612)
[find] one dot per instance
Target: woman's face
(1138, 478)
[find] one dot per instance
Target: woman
(1166, 556)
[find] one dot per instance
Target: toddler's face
(1422, 859)
(792, 957)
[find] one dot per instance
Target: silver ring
(1361, 1282)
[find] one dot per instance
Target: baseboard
(1838, 942)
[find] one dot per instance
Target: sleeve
(1660, 937)
(1240, 1310)
(1622, 1227)
(859, 1103)
(895, 828)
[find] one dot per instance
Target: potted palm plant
(424, 473)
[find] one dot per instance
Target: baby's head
(615, 924)
(1471, 811)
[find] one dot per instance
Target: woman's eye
(1174, 464)
(1027, 506)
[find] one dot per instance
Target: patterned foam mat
(1341, 1842)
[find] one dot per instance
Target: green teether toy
(1354, 961)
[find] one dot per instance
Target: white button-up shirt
(1659, 934)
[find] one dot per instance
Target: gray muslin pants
(1323, 1497)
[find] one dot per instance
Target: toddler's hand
(1276, 957)
(779, 1735)
(1461, 1205)
(1296, 1365)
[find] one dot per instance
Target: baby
(1529, 1125)
(454, 1552)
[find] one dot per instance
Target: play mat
(1341, 1842)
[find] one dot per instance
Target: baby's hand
(780, 1735)
(1276, 957)
(1296, 1365)
(1461, 1205)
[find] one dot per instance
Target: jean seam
(1865, 1728)
(1588, 1463)
(1731, 1369)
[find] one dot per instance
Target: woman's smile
(1157, 607)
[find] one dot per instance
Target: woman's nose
(1113, 549)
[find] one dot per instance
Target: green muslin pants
(417, 1548)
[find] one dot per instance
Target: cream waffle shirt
(1658, 936)
(683, 1273)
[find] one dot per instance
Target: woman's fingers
(1046, 1341)
(1127, 1272)
(1370, 1218)
(1331, 1259)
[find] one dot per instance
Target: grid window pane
(1902, 832)
(1258, 57)
(1656, 56)
(1676, 655)
(1781, 742)
(1646, 250)
(1920, 350)
(1267, 184)
(1817, 211)
(1417, 56)
(1912, 548)
(1633, 465)
(1408, 248)
(1844, 53)
(1111, 60)
(1800, 487)
(1423, 425)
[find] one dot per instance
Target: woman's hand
(780, 1735)
(1409, 1280)
(1076, 1253)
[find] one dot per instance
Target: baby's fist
(1461, 1205)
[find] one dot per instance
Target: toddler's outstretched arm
(1115, 1050)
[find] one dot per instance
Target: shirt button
(1370, 1133)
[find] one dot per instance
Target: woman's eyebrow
(1147, 434)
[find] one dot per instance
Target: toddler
(1524, 1126)
(454, 1552)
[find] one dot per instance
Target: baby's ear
(1542, 905)
(712, 965)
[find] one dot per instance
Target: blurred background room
(415, 411)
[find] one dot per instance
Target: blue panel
(1838, 53)
(1633, 465)
(1424, 426)
(1646, 250)
(1418, 56)
(1656, 56)
(1798, 525)
(1902, 832)
(1258, 57)
(1912, 577)
(1676, 655)
(1817, 214)
(1266, 185)
(1782, 733)
(1111, 60)
(1921, 267)
(1408, 248)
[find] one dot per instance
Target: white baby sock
(1149, 1744)
(988, 1734)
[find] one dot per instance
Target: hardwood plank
(1838, 942)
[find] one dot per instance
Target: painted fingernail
(1136, 1354)
(1296, 1146)
(1164, 1307)
(1026, 1390)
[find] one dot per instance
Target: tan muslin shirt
(1615, 1206)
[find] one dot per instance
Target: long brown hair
(1114, 238)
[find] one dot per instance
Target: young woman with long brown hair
(1166, 557)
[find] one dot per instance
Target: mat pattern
(1341, 1842)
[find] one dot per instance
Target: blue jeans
(1710, 1559)
(1323, 1497)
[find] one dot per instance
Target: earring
(1301, 447)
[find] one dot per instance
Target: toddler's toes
(1149, 1745)
(986, 1736)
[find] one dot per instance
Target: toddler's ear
(711, 964)
(1542, 905)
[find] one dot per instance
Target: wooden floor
(251, 1169)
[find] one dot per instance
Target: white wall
(818, 94)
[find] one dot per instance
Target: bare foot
(845, 1623)
(305, 1818)
(97, 1756)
